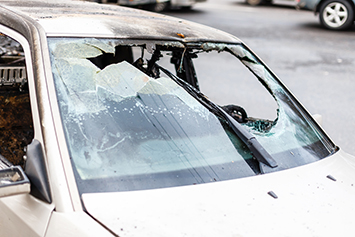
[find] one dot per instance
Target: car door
(20, 215)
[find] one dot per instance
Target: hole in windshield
(228, 83)
(131, 124)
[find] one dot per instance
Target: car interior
(16, 124)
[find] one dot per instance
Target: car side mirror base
(36, 171)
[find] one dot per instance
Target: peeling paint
(213, 46)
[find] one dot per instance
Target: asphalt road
(318, 65)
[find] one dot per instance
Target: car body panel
(61, 20)
(307, 204)
(184, 3)
(74, 223)
(309, 4)
(307, 199)
(25, 216)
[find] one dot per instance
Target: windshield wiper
(247, 138)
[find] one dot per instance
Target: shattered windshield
(130, 125)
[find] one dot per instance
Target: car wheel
(157, 7)
(254, 2)
(186, 8)
(336, 14)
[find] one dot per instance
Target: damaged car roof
(74, 18)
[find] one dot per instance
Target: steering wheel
(237, 112)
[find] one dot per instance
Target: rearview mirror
(13, 181)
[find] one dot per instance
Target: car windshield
(130, 126)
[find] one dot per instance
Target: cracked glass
(129, 126)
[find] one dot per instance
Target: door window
(16, 124)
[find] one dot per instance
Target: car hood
(312, 200)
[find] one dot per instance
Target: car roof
(81, 18)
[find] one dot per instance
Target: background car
(258, 2)
(185, 4)
(333, 14)
(156, 5)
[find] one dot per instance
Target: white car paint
(24, 215)
(308, 204)
(184, 3)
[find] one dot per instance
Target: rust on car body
(63, 18)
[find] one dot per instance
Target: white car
(138, 124)
(155, 5)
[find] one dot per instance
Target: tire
(336, 14)
(186, 8)
(254, 2)
(258, 2)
